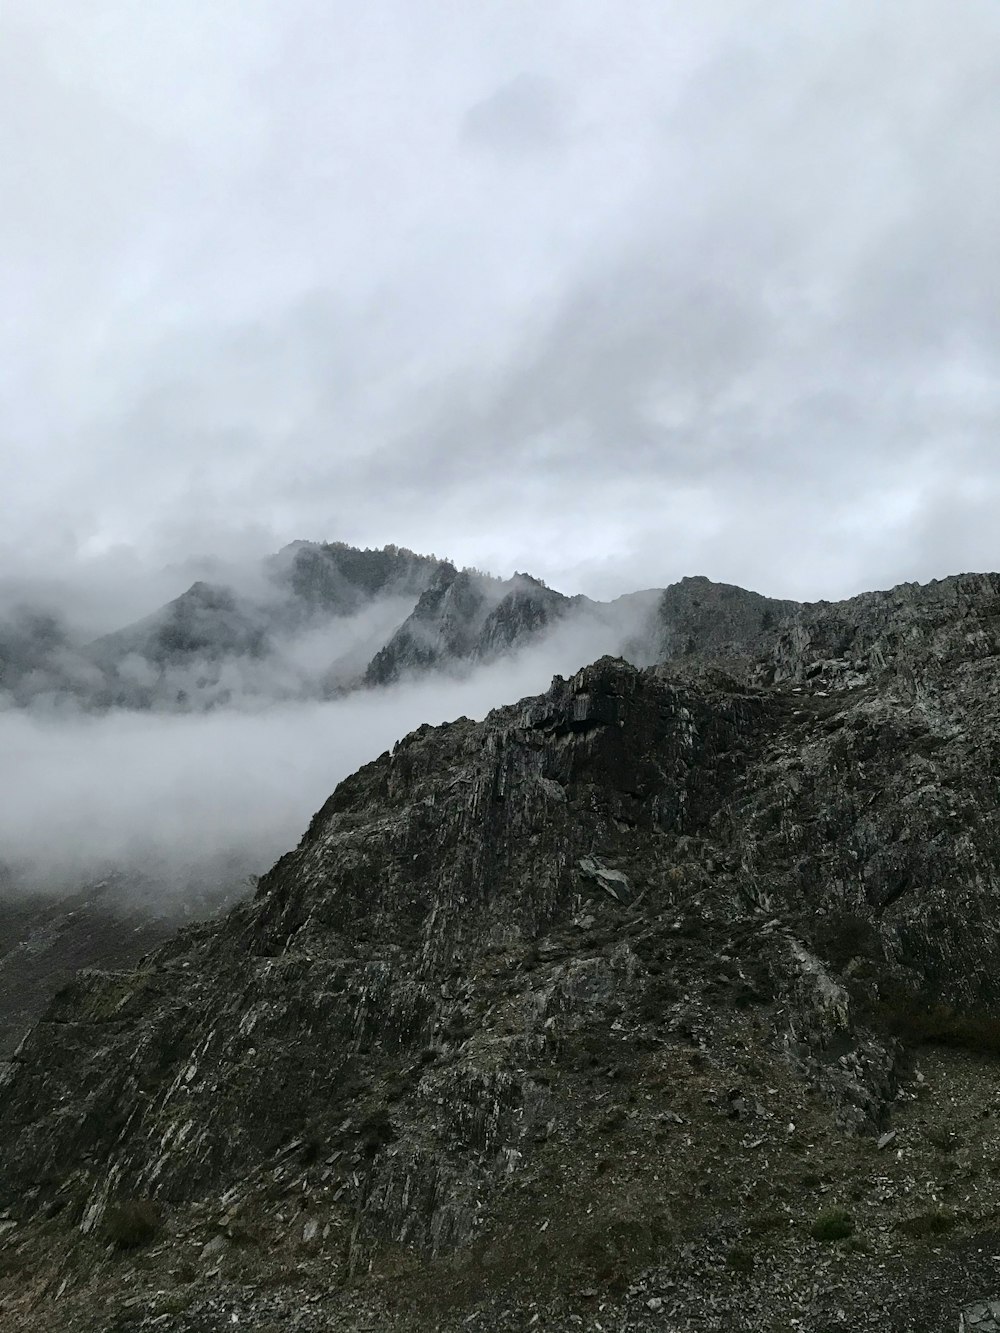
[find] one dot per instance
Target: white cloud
(178, 795)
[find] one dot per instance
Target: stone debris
(613, 882)
(983, 1317)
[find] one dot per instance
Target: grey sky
(613, 293)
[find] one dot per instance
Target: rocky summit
(665, 1000)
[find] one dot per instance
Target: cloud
(613, 299)
(523, 117)
(178, 797)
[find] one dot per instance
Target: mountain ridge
(322, 619)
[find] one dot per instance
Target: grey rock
(983, 1316)
(613, 882)
(213, 1248)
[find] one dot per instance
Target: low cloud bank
(181, 798)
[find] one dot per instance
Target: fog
(257, 652)
(321, 657)
(179, 798)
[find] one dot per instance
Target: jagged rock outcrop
(442, 627)
(561, 1006)
(465, 617)
(697, 617)
(913, 632)
(527, 609)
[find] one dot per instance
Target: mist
(179, 799)
(50, 664)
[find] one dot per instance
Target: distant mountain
(312, 621)
(207, 621)
(322, 619)
(469, 617)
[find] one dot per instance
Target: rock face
(605, 1009)
(468, 617)
(527, 609)
(697, 617)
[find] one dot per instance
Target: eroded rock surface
(608, 1011)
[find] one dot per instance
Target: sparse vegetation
(131, 1223)
(740, 1260)
(771, 1220)
(834, 1224)
(934, 1222)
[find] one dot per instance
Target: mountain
(336, 579)
(469, 617)
(213, 646)
(45, 938)
(307, 621)
(665, 999)
(699, 618)
(207, 621)
(319, 620)
(322, 619)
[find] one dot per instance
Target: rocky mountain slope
(45, 938)
(665, 1000)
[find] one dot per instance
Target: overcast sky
(612, 292)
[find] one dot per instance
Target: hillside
(666, 999)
